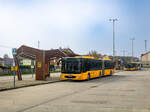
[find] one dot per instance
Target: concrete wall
(145, 59)
(148, 56)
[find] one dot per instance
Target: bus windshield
(130, 65)
(72, 66)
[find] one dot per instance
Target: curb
(7, 89)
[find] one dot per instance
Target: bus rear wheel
(88, 78)
(99, 74)
(110, 72)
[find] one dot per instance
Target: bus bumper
(72, 77)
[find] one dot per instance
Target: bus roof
(132, 62)
(87, 57)
(107, 59)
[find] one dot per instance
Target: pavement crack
(50, 100)
(93, 86)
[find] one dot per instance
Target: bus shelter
(41, 57)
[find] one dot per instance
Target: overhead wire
(4, 46)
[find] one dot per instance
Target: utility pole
(38, 44)
(14, 52)
(145, 45)
(124, 52)
(113, 20)
(132, 39)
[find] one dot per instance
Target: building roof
(68, 52)
(145, 53)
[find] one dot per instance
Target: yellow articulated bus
(131, 66)
(80, 68)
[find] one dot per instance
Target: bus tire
(110, 73)
(100, 74)
(88, 78)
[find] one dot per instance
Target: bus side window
(86, 65)
(105, 65)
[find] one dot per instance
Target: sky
(82, 25)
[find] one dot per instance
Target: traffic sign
(14, 51)
(39, 64)
(32, 66)
(12, 68)
(16, 68)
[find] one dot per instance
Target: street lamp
(145, 45)
(132, 39)
(113, 20)
(38, 44)
(124, 52)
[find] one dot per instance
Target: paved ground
(26, 76)
(123, 92)
(7, 82)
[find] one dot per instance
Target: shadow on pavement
(102, 79)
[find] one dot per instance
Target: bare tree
(95, 54)
(5, 56)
